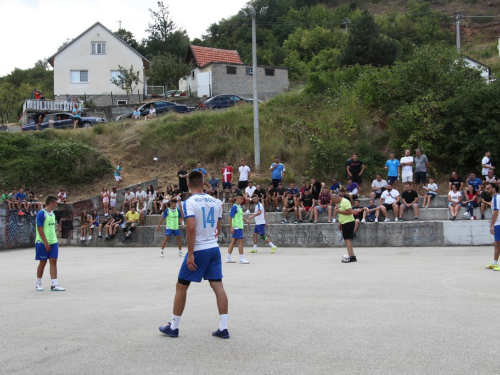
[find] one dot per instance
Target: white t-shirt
(129, 196)
(379, 185)
(389, 197)
(244, 170)
(61, 195)
(487, 179)
(455, 197)
(250, 190)
(485, 161)
(152, 112)
(407, 169)
(495, 205)
(207, 211)
(112, 196)
(432, 187)
(140, 194)
(261, 218)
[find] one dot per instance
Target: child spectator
(136, 115)
(150, 198)
(142, 208)
(105, 200)
(94, 223)
(118, 174)
(104, 224)
(152, 112)
(112, 198)
(128, 200)
(158, 203)
(6, 198)
(61, 197)
(34, 204)
(21, 202)
(84, 225)
(454, 201)
(131, 222)
(471, 200)
(431, 192)
(12, 199)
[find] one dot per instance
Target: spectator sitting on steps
(131, 222)
(389, 200)
(486, 197)
(409, 199)
(431, 192)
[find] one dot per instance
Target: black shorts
(377, 195)
(388, 207)
(276, 181)
(183, 188)
(348, 230)
(357, 179)
(420, 177)
(242, 185)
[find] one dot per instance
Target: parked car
(161, 107)
(63, 120)
(224, 101)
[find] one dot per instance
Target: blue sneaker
(224, 334)
(169, 331)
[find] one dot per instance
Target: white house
(86, 64)
(483, 69)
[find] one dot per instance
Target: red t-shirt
(227, 174)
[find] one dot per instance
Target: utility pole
(346, 22)
(256, 133)
(119, 23)
(458, 17)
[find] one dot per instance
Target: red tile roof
(205, 55)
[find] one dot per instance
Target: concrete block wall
(242, 84)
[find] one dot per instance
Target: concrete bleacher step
(430, 214)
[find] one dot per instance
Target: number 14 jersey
(207, 211)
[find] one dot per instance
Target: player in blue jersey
(203, 215)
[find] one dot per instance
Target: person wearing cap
(236, 228)
(278, 171)
(421, 169)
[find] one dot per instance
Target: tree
(126, 79)
(127, 37)
(365, 45)
(167, 69)
(161, 27)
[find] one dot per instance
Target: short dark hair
(196, 179)
(50, 199)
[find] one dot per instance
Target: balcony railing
(49, 105)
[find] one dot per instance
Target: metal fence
(49, 105)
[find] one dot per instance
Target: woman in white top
(454, 202)
(150, 198)
(142, 208)
(112, 198)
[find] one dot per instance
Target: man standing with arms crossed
(46, 244)
(227, 177)
(278, 171)
(203, 215)
(343, 209)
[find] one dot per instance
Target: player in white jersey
(490, 189)
(260, 225)
(203, 215)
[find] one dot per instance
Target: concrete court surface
(298, 311)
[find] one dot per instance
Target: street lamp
(256, 136)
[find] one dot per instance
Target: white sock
(271, 244)
(494, 262)
(54, 282)
(176, 320)
(223, 322)
(255, 247)
(39, 280)
(100, 233)
(242, 257)
(228, 256)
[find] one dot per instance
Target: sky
(34, 29)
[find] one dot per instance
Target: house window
(114, 74)
(98, 48)
(79, 76)
(231, 69)
(192, 75)
(269, 72)
(249, 71)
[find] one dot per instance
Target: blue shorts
(260, 229)
(238, 234)
(42, 254)
(322, 209)
(172, 232)
(392, 179)
(208, 266)
(497, 232)
(226, 185)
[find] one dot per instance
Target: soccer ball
(155, 159)
(346, 258)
